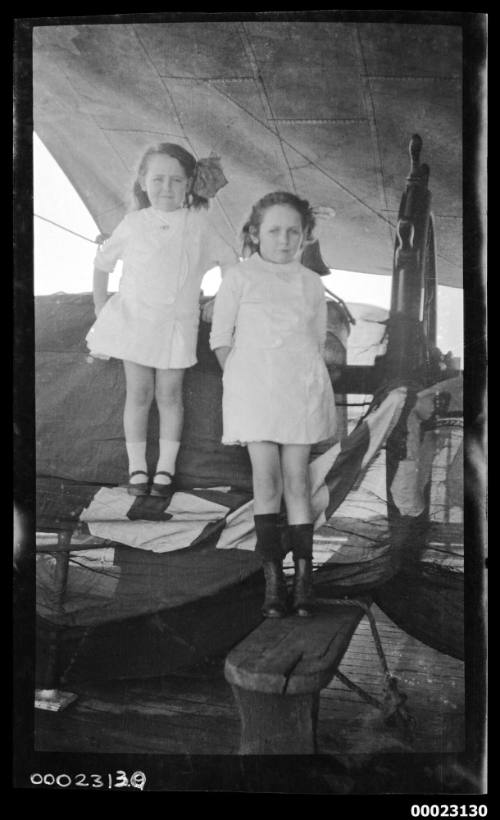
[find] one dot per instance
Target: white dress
(276, 384)
(153, 319)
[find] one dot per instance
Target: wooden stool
(277, 672)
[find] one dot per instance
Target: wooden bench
(278, 670)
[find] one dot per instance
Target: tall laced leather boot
(301, 543)
(270, 550)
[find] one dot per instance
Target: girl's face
(280, 234)
(165, 183)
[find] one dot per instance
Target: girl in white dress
(268, 333)
(166, 244)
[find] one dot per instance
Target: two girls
(268, 332)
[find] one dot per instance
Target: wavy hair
(185, 158)
(251, 227)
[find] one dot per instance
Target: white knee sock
(166, 460)
(136, 451)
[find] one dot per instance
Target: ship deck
(193, 713)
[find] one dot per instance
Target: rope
(392, 706)
(319, 121)
(371, 620)
(68, 230)
(359, 691)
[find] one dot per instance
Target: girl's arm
(100, 289)
(226, 308)
(219, 251)
(221, 354)
(321, 314)
(105, 260)
(208, 308)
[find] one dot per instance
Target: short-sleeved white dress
(153, 319)
(276, 384)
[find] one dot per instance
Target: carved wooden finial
(424, 171)
(415, 148)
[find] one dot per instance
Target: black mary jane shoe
(163, 490)
(139, 487)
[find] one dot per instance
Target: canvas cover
(325, 108)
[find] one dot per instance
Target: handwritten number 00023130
(117, 780)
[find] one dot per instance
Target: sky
(64, 262)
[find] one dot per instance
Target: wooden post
(60, 582)
(412, 321)
(49, 696)
(291, 722)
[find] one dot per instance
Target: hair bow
(208, 177)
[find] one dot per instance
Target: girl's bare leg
(168, 394)
(297, 493)
(140, 390)
(296, 484)
(266, 476)
(268, 490)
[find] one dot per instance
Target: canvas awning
(323, 108)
